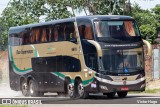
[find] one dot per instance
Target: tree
(93, 6)
(156, 12)
(102, 7)
(57, 9)
(20, 12)
(147, 22)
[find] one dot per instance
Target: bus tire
(110, 95)
(32, 91)
(24, 88)
(122, 94)
(69, 89)
(80, 90)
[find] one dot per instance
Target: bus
(78, 56)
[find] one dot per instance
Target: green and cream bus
(77, 56)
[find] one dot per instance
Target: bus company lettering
(24, 52)
(122, 45)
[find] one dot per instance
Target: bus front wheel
(122, 94)
(24, 88)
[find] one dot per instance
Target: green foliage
(22, 12)
(148, 32)
(148, 22)
(152, 91)
(18, 12)
(102, 7)
(57, 10)
(156, 9)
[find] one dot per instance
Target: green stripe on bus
(60, 74)
(15, 67)
(85, 82)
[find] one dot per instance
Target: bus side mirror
(149, 47)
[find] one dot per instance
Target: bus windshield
(123, 61)
(117, 30)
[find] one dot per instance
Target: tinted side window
(35, 35)
(15, 39)
(26, 37)
(71, 64)
(85, 30)
(45, 34)
(62, 31)
(57, 33)
(69, 31)
(56, 64)
(40, 34)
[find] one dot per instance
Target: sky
(3, 4)
(145, 4)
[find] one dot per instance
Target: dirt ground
(3, 66)
(155, 84)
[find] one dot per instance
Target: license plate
(124, 89)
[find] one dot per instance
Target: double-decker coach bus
(77, 56)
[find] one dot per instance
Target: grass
(152, 91)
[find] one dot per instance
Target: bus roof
(91, 17)
(105, 17)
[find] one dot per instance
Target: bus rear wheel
(69, 89)
(32, 89)
(24, 88)
(80, 90)
(122, 94)
(110, 95)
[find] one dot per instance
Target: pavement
(94, 100)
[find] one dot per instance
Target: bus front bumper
(117, 86)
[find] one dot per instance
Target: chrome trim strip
(121, 82)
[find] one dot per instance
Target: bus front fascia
(99, 49)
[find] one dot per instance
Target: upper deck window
(123, 30)
(43, 34)
(85, 30)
